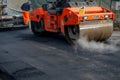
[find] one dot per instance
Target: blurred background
(113, 5)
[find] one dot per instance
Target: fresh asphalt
(24, 56)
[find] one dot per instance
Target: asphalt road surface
(27, 57)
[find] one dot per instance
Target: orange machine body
(69, 16)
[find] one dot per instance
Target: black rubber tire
(36, 26)
(33, 28)
(67, 36)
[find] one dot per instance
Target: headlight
(106, 16)
(85, 18)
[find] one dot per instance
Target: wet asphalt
(24, 56)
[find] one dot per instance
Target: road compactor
(74, 18)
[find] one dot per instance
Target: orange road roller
(74, 18)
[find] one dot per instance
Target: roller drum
(96, 30)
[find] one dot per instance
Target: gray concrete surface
(28, 57)
(16, 4)
(14, 7)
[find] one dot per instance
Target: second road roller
(74, 18)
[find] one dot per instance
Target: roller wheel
(72, 34)
(37, 27)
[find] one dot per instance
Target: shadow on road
(58, 41)
(12, 29)
(55, 40)
(5, 76)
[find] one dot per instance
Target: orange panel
(37, 14)
(69, 16)
(93, 9)
(51, 22)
